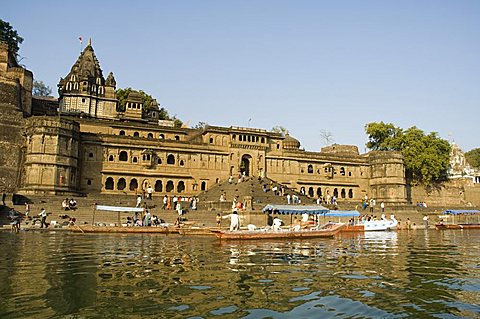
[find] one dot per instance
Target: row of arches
(337, 192)
(160, 186)
(149, 135)
(249, 138)
(123, 157)
(329, 170)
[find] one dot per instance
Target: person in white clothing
(234, 220)
(277, 224)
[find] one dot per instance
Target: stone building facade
(94, 147)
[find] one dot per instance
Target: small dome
(290, 143)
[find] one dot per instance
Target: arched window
(90, 155)
(121, 184)
(159, 161)
(350, 193)
(342, 193)
(122, 133)
(133, 184)
(162, 137)
(135, 159)
(310, 169)
(158, 186)
(349, 173)
(171, 159)
(182, 163)
(110, 158)
(203, 187)
(262, 140)
(177, 138)
(150, 135)
(342, 171)
(181, 187)
(109, 183)
(335, 192)
(136, 134)
(211, 140)
(169, 186)
(310, 191)
(319, 192)
(234, 137)
(123, 156)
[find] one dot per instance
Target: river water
(414, 274)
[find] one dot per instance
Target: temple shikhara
(85, 142)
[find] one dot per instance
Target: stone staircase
(84, 213)
(249, 189)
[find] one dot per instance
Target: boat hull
(457, 226)
(328, 230)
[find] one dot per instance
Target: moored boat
(374, 225)
(466, 219)
(356, 225)
(327, 230)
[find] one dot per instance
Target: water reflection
(371, 275)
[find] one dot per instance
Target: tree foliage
(279, 129)
(41, 89)
(473, 157)
(427, 156)
(326, 137)
(10, 36)
(147, 99)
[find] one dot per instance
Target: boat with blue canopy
(459, 219)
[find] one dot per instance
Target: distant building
(94, 146)
(459, 166)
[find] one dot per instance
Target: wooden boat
(197, 231)
(466, 219)
(327, 230)
(116, 229)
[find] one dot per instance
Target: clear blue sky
(305, 65)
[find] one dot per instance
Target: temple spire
(90, 41)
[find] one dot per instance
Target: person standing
(165, 200)
(234, 220)
(43, 214)
(175, 201)
(425, 221)
(150, 192)
(288, 199)
(139, 201)
(27, 209)
(147, 219)
(382, 206)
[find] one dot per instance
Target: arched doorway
(245, 165)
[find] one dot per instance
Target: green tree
(427, 156)
(279, 129)
(10, 36)
(473, 157)
(147, 99)
(41, 89)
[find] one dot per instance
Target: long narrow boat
(327, 230)
(466, 219)
(197, 231)
(116, 229)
